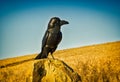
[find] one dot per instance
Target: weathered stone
(48, 70)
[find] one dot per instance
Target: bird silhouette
(52, 37)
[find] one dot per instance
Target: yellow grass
(96, 63)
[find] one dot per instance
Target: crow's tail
(39, 56)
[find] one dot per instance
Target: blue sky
(23, 23)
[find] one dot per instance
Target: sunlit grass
(97, 63)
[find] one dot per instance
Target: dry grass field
(95, 63)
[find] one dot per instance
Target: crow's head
(56, 22)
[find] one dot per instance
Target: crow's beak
(64, 22)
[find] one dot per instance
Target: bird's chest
(54, 38)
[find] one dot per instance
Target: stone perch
(54, 71)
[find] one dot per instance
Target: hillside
(95, 63)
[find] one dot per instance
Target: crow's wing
(45, 38)
(51, 39)
(59, 37)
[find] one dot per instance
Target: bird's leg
(49, 60)
(52, 56)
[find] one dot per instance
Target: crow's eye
(57, 22)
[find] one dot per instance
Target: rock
(49, 70)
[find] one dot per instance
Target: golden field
(95, 63)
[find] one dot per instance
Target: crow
(52, 37)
